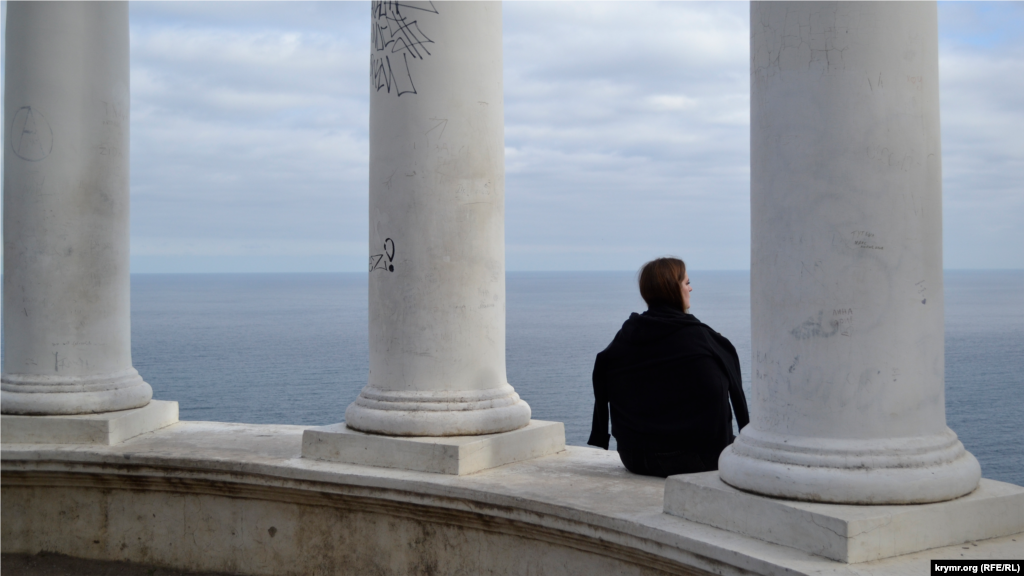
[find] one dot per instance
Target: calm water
(292, 348)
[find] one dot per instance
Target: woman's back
(668, 379)
(664, 381)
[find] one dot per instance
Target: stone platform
(101, 428)
(443, 455)
(241, 499)
(849, 534)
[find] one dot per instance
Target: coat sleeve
(732, 365)
(739, 403)
(599, 426)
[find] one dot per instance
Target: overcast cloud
(626, 135)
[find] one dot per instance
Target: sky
(626, 134)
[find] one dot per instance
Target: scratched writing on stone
(865, 240)
(31, 135)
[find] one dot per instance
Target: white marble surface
(437, 226)
(217, 488)
(67, 327)
(848, 533)
(847, 304)
(107, 428)
(440, 454)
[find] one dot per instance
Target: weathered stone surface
(205, 496)
(439, 454)
(67, 311)
(848, 533)
(437, 226)
(846, 260)
(103, 428)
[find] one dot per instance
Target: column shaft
(66, 236)
(437, 253)
(846, 263)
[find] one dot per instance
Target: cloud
(249, 130)
(626, 132)
(981, 71)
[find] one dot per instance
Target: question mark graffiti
(377, 261)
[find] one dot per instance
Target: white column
(437, 230)
(846, 263)
(67, 329)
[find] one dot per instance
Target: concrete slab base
(105, 428)
(845, 533)
(458, 455)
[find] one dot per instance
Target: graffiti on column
(31, 135)
(384, 261)
(398, 43)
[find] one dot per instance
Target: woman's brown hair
(660, 281)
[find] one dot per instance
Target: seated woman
(669, 379)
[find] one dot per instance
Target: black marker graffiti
(395, 34)
(377, 261)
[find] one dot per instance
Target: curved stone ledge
(238, 498)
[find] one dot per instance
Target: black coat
(669, 379)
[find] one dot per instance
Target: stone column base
(39, 395)
(458, 455)
(107, 428)
(915, 470)
(847, 533)
(437, 412)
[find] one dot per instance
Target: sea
(292, 348)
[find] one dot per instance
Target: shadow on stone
(49, 564)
